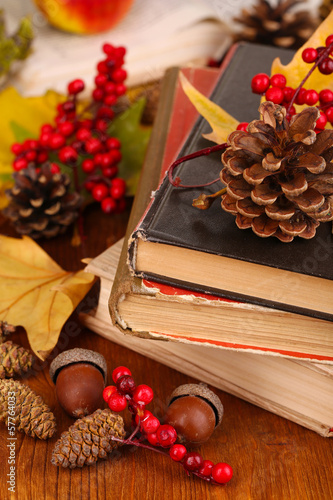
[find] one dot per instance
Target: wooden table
(272, 458)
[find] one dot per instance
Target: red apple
(84, 16)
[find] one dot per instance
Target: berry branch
(126, 393)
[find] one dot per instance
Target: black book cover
(172, 220)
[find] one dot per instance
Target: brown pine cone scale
(14, 360)
(279, 175)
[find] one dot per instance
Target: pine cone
(325, 8)
(14, 360)
(275, 25)
(88, 439)
(27, 410)
(279, 175)
(41, 202)
(5, 329)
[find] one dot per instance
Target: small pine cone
(279, 175)
(88, 439)
(42, 204)
(27, 410)
(14, 360)
(273, 23)
(5, 330)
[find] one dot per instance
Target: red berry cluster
(83, 143)
(136, 397)
(275, 89)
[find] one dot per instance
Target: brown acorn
(194, 411)
(79, 376)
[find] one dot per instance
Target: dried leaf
(36, 293)
(296, 70)
(221, 122)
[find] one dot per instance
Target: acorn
(79, 376)
(194, 411)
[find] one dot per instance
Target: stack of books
(246, 315)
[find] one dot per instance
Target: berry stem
(202, 152)
(323, 56)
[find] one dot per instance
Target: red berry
(125, 384)
(56, 141)
(105, 112)
(322, 121)
(88, 166)
(121, 89)
(311, 97)
(325, 96)
(292, 111)
(120, 371)
(117, 402)
(67, 154)
(278, 80)
(42, 157)
(93, 145)
(16, 148)
(152, 439)
(222, 473)
(55, 169)
(260, 83)
(100, 191)
(120, 51)
(83, 134)
(110, 88)
(193, 461)
(98, 159)
(149, 423)
(108, 391)
(98, 94)
(177, 452)
(300, 96)
(329, 114)
(288, 93)
(143, 394)
(110, 100)
(44, 138)
(108, 49)
(75, 86)
(115, 155)
(101, 80)
(108, 205)
(113, 143)
(89, 186)
(206, 468)
(101, 125)
(66, 128)
(118, 188)
(329, 41)
(119, 75)
(31, 155)
(110, 172)
(20, 164)
(326, 66)
(309, 55)
(242, 126)
(31, 144)
(274, 94)
(46, 128)
(166, 435)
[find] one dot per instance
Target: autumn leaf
(134, 139)
(36, 293)
(222, 123)
(297, 69)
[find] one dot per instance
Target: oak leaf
(36, 293)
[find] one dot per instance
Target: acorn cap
(77, 355)
(200, 390)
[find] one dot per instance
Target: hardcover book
(204, 251)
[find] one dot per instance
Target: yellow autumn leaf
(36, 293)
(297, 69)
(222, 123)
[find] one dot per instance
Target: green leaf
(134, 139)
(20, 133)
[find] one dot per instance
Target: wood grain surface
(272, 458)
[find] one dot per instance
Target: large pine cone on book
(279, 175)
